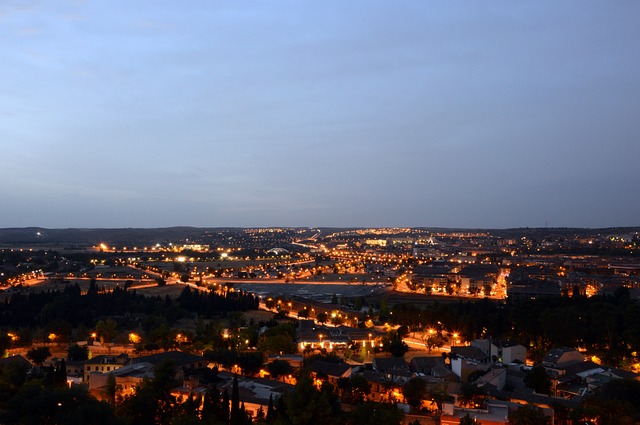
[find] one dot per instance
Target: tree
(187, 412)
(336, 319)
(529, 415)
(615, 403)
(270, 410)
(274, 344)
(395, 345)
(35, 403)
(235, 418)
(260, 415)
(449, 288)
(384, 309)
(322, 317)
(211, 406)
(403, 331)
(308, 406)
(60, 375)
(376, 413)
(111, 389)
(467, 420)
(432, 339)
(77, 353)
(38, 355)
(152, 402)
(414, 391)
(538, 379)
(224, 411)
(107, 330)
(360, 388)
(359, 302)
(472, 395)
(278, 368)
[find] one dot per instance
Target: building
(502, 351)
(103, 364)
(560, 358)
(425, 364)
(181, 360)
(254, 392)
(493, 412)
(394, 369)
(467, 359)
(127, 378)
(331, 372)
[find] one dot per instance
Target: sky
(352, 113)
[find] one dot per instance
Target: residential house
(467, 359)
(425, 364)
(394, 369)
(254, 392)
(181, 360)
(502, 351)
(103, 364)
(331, 372)
(127, 378)
(382, 390)
(493, 412)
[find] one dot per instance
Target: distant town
(315, 325)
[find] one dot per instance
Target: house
(130, 375)
(75, 371)
(254, 392)
(394, 369)
(470, 353)
(312, 335)
(127, 378)
(508, 352)
(103, 363)
(502, 351)
(382, 390)
(16, 360)
(425, 364)
(443, 374)
(582, 379)
(331, 372)
(496, 377)
(467, 359)
(532, 289)
(294, 360)
(556, 363)
(181, 360)
(560, 358)
(493, 412)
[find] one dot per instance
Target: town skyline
(511, 326)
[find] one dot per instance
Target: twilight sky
(319, 113)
